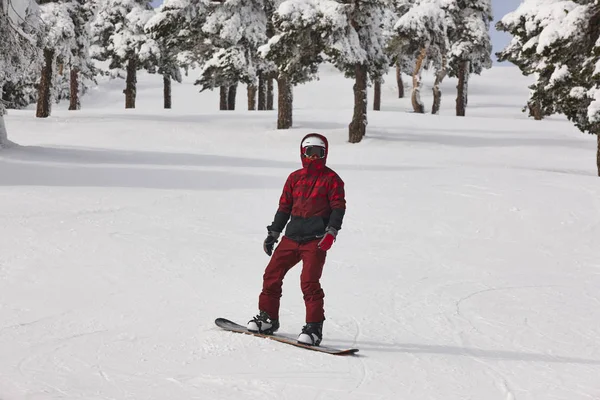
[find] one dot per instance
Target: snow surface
(468, 266)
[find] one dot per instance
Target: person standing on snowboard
(313, 201)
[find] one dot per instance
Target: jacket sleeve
(285, 208)
(337, 202)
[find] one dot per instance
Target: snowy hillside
(468, 266)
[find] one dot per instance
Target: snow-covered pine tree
(177, 29)
(119, 37)
(80, 64)
(423, 30)
(352, 36)
(562, 39)
(19, 70)
(268, 71)
(235, 28)
(59, 39)
(20, 91)
(526, 24)
(401, 57)
(301, 29)
(390, 16)
(362, 56)
(19, 47)
(471, 47)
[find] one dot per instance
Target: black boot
(312, 334)
(262, 323)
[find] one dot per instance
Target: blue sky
(500, 8)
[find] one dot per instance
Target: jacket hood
(319, 163)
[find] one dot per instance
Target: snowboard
(233, 327)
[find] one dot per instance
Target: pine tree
(558, 43)
(80, 64)
(364, 57)
(235, 28)
(471, 46)
(119, 35)
(300, 31)
(59, 40)
(177, 29)
(351, 35)
(19, 47)
(423, 31)
(399, 51)
(525, 25)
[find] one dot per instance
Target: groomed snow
(468, 266)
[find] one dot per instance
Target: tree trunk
(462, 88)
(167, 91)
(3, 133)
(417, 104)
(285, 100)
(251, 89)
(437, 90)
(597, 153)
(399, 82)
(270, 92)
(74, 103)
(44, 103)
(377, 95)
(535, 110)
(131, 83)
(223, 95)
(358, 126)
(231, 96)
(262, 92)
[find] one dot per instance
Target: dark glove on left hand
(270, 242)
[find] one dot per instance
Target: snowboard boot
(312, 334)
(262, 323)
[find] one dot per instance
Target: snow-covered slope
(468, 266)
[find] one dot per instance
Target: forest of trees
(55, 50)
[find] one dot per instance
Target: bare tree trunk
(131, 83)
(251, 89)
(417, 104)
(231, 96)
(270, 92)
(44, 103)
(597, 152)
(462, 88)
(399, 82)
(223, 95)
(377, 95)
(437, 90)
(262, 92)
(167, 91)
(358, 126)
(284, 102)
(74, 103)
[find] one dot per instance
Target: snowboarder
(313, 201)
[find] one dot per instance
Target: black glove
(270, 242)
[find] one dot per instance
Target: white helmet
(313, 141)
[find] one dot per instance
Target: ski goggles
(310, 151)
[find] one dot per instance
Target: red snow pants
(286, 255)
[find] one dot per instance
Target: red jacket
(313, 197)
